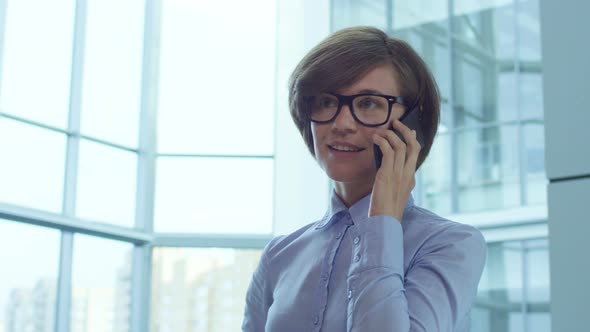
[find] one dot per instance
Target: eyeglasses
(368, 109)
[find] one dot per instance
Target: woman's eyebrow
(372, 91)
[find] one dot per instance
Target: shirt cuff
(377, 242)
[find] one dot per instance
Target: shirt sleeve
(258, 296)
(435, 294)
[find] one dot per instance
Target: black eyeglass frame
(343, 99)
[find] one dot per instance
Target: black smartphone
(410, 119)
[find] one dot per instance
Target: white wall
(302, 188)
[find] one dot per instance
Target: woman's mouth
(343, 148)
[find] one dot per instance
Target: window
(513, 294)
(490, 84)
(24, 148)
(111, 74)
(102, 168)
(101, 278)
(119, 122)
(488, 156)
(214, 195)
(217, 89)
(204, 286)
(28, 282)
(37, 61)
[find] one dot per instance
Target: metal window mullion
(72, 224)
(64, 283)
(235, 241)
(525, 292)
(139, 319)
(522, 160)
(451, 103)
(146, 170)
(62, 321)
(389, 18)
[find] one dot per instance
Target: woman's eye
(367, 103)
(326, 102)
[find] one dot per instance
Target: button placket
(356, 240)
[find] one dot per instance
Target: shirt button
(339, 235)
(357, 257)
(349, 294)
(324, 277)
(357, 240)
(316, 319)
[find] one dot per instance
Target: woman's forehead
(382, 79)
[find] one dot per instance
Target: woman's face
(354, 166)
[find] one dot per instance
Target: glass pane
(529, 30)
(28, 282)
(106, 178)
(101, 274)
(534, 136)
(423, 24)
(529, 53)
(539, 322)
(538, 295)
(489, 163)
(33, 166)
(531, 94)
(346, 13)
(200, 289)
(112, 70)
(427, 32)
(426, 14)
(436, 173)
(36, 60)
(484, 62)
(214, 195)
(217, 89)
(499, 297)
(482, 92)
(487, 26)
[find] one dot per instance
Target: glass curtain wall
(129, 132)
(488, 155)
(486, 58)
(513, 293)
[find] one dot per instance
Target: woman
(375, 261)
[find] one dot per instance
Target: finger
(406, 133)
(400, 148)
(386, 149)
(410, 166)
(412, 152)
(412, 146)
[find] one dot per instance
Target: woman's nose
(344, 120)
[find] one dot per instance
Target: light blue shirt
(351, 272)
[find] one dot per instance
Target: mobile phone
(410, 119)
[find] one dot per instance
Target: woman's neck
(352, 192)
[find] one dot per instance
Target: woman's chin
(345, 175)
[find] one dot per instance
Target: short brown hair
(344, 57)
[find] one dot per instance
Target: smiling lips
(344, 147)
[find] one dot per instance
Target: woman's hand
(395, 179)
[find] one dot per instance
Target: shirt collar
(359, 211)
